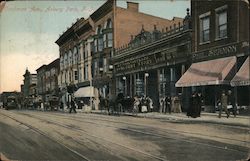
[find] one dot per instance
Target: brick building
(220, 46)
(152, 62)
(47, 80)
(109, 27)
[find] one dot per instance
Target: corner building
(220, 48)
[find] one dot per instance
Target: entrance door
(152, 88)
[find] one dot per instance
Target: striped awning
(242, 77)
(212, 72)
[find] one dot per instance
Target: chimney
(132, 6)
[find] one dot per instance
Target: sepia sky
(28, 31)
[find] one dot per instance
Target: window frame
(219, 11)
(203, 17)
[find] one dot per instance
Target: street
(38, 135)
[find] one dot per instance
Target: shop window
(221, 22)
(205, 27)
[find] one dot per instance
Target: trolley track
(47, 136)
(173, 132)
(164, 130)
(49, 121)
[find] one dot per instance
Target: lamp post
(146, 75)
(125, 85)
(111, 68)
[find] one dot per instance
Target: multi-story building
(220, 46)
(152, 62)
(29, 84)
(47, 80)
(51, 79)
(91, 43)
(41, 90)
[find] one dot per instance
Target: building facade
(88, 45)
(29, 84)
(41, 88)
(152, 62)
(220, 46)
(47, 80)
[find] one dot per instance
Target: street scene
(125, 80)
(37, 135)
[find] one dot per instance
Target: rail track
(49, 121)
(169, 131)
(47, 136)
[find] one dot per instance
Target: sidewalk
(241, 121)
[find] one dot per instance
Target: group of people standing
(195, 102)
(165, 105)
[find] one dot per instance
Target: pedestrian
(191, 108)
(73, 106)
(224, 101)
(231, 102)
(162, 105)
(168, 104)
(200, 100)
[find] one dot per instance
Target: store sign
(138, 63)
(228, 50)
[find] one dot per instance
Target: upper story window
(221, 22)
(70, 61)
(109, 23)
(75, 56)
(205, 27)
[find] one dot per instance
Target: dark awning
(242, 77)
(212, 72)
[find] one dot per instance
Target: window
(86, 72)
(105, 40)
(76, 75)
(204, 29)
(221, 23)
(95, 45)
(105, 65)
(100, 44)
(110, 39)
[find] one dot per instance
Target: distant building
(41, 88)
(29, 84)
(47, 80)
(51, 79)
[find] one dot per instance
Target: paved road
(36, 135)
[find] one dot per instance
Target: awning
(242, 77)
(212, 72)
(85, 92)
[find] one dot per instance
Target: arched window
(75, 55)
(70, 58)
(109, 24)
(66, 59)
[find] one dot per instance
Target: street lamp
(125, 85)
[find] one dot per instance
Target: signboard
(228, 50)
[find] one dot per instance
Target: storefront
(214, 71)
(152, 68)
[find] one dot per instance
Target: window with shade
(221, 22)
(204, 29)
